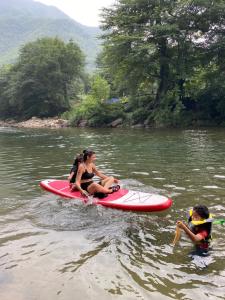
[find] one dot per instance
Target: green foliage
(196, 84)
(164, 58)
(105, 114)
(170, 111)
(100, 89)
(172, 51)
(93, 107)
(38, 84)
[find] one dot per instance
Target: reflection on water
(56, 248)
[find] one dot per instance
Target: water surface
(53, 248)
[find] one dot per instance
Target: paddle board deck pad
(122, 199)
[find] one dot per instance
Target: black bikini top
(87, 175)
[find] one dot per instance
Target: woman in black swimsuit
(85, 173)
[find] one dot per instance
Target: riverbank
(55, 122)
(36, 123)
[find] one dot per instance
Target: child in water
(199, 227)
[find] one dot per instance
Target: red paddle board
(122, 199)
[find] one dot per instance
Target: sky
(85, 12)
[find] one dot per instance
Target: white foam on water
(169, 185)
(140, 173)
(180, 188)
(219, 176)
(211, 187)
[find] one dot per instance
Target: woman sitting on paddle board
(86, 171)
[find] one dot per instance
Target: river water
(53, 248)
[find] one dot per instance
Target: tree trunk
(163, 65)
(163, 72)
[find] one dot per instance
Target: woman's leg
(107, 182)
(97, 188)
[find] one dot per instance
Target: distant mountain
(22, 21)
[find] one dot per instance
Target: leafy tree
(39, 82)
(100, 89)
(153, 48)
(93, 108)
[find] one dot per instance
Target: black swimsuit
(85, 185)
(86, 175)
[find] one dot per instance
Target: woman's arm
(101, 175)
(98, 173)
(194, 237)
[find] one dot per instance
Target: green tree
(39, 82)
(100, 89)
(152, 48)
(93, 108)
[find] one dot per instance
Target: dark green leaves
(38, 84)
(158, 47)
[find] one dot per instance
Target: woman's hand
(84, 193)
(73, 187)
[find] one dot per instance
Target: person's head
(200, 212)
(89, 155)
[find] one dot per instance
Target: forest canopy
(164, 61)
(39, 83)
(168, 57)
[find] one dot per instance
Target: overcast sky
(85, 12)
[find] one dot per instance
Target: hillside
(22, 21)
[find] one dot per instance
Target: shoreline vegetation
(166, 69)
(58, 122)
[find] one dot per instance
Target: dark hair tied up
(87, 153)
(78, 159)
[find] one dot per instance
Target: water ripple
(92, 252)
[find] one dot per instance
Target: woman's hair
(78, 159)
(202, 211)
(87, 153)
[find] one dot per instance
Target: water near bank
(52, 248)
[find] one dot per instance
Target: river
(54, 248)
